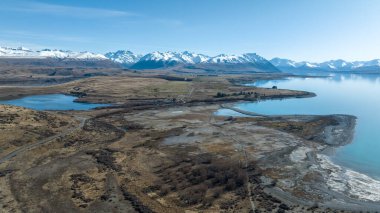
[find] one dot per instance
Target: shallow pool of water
(51, 102)
(357, 95)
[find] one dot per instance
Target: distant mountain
(287, 65)
(22, 52)
(16, 52)
(157, 59)
(249, 61)
(279, 62)
(124, 57)
(237, 59)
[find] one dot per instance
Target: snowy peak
(161, 56)
(254, 58)
(375, 62)
(16, 52)
(193, 58)
(309, 65)
(23, 52)
(238, 59)
(223, 58)
(279, 62)
(336, 64)
(182, 57)
(123, 57)
(87, 56)
(62, 54)
(332, 65)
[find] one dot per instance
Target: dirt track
(41, 142)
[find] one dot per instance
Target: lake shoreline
(333, 136)
(52, 102)
(359, 198)
(280, 155)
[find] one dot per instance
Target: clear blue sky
(312, 30)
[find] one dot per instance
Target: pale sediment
(305, 168)
(349, 182)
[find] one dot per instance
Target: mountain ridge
(156, 60)
(22, 52)
(338, 65)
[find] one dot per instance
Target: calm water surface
(357, 95)
(51, 102)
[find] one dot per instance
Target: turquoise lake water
(51, 102)
(357, 95)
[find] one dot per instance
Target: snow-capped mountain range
(154, 60)
(185, 57)
(22, 52)
(167, 59)
(329, 66)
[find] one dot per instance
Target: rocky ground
(162, 149)
(174, 160)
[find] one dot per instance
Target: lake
(357, 95)
(52, 102)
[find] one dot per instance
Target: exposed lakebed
(355, 167)
(51, 102)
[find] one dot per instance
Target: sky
(312, 30)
